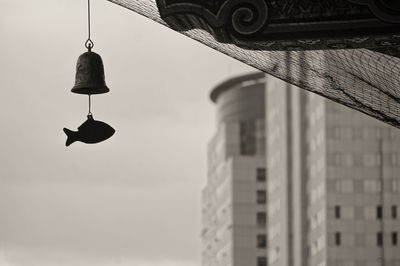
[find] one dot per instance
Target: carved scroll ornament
(290, 24)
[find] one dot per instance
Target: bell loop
(89, 44)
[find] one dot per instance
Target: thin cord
(90, 104)
(88, 3)
(89, 43)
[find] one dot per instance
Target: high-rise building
(234, 199)
(333, 182)
(331, 195)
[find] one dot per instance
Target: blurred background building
(330, 193)
(235, 200)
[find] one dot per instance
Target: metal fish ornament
(91, 131)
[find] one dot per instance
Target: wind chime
(89, 79)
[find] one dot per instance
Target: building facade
(322, 190)
(333, 183)
(234, 199)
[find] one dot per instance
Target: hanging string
(89, 43)
(90, 104)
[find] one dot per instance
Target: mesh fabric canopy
(362, 79)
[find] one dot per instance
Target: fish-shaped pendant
(91, 131)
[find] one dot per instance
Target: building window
(394, 238)
(371, 159)
(344, 159)
(261, 218)
(394, 133)
(274, 184)
(313, 222)
(273, 255)
(379, 239)
(372, 186)
(275, 231)
(262, 261)
(320, 243)
(371, 133)
(396, 185)
(261, 174)
(317, 193)
(313, 248)
(338, 239)
(261, 197)
(274, 207)
(347, 212)
(394, 212)
(345, 186)
(261, 241)
(248, 138)
(395, 159)
(337, 212)
(343, 132)
(370, 213)
(379, 212)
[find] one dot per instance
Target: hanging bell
(89, 78)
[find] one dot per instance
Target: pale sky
(133, 199)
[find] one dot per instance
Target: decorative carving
(289, 24)
(386, 10)
(239, 17)
(248, 17)
(317, 10)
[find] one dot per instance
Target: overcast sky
(132, 200)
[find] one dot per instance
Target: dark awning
(344, 50)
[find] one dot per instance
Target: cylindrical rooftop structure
(240, 98)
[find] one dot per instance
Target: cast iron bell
(89, 78)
